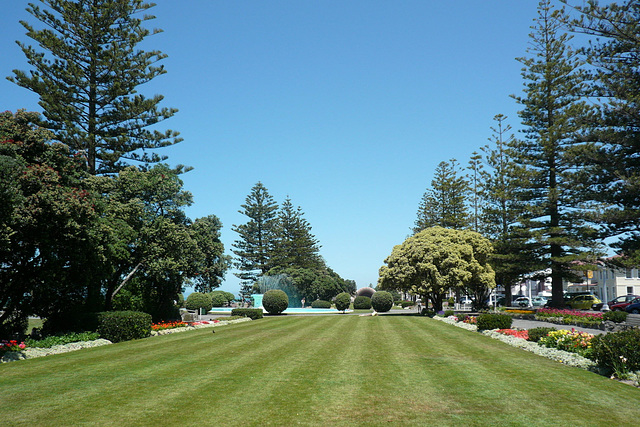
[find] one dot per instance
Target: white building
(618, 281)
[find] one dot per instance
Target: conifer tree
(512, 256)
(254, 248)
(295, 245)
(612, 159)
(555, 212)
(475, 188)
(87, 79)
(444, 204)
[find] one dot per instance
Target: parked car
(522, 302)
(621, 306)
(619, 300)
(539, 301)
(633, 308)
(582, 302)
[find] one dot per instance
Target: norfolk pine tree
(513, 254)
(555, 207)
(444, 204)
(87, 79)
(612, 158)
(254, 247)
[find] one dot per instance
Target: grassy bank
(328, 370)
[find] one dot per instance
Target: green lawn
(318, 370)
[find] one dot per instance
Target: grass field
(318, 370)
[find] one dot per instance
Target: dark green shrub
(70, 321)
(536, 333)
(494, 321)
(117, 326)
(405, 304)
(251, 313)
(617, 352)
(428, 312)
(275, 301)
(319, 303)
(448, 313)
(382, 301)
(615, 316)
(14, 327)
(362, 303)
(217, 299)
(197, 301)
(343, 301)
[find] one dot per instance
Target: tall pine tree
(444, 204)
(87, 79)
(295, 245)
(254, 248)
(553, 100)
(512, 256)
(613, 157)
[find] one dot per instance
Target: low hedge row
(251, 313)
(117, 326)
(319, 303)
(487, 321)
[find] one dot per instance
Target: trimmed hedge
(275, 301)
(362, 303)
(117, 326)
(197, 300)
(343, 301)
(319, 303)
(382, 301)
(488, 321)
(615, 316)
(251, 313)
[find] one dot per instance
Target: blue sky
(347, 106)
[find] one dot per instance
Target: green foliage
(275, 301)
(536, 333)
(436, 260)
(444, 204)
(382, 301)
(217, 299)
(89, 106)
(615, 316)
(251, 313)
(256, 237)
(405, 304)
(72, 320)
(319, 303)
(295, 245)
(61, 339)
(555, 212)
(487, 321)
(362, 303)
(617, 352)
(49, 251)
(197, 300)
(14, 325)
(448, 313)
(117, 326)
(428, 312)
(342, 301)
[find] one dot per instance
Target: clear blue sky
(345, 106)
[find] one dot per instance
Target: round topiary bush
(362, 303)
(275, 301)
(343, 301)
(197, 300)
(382, 301)
(319, 303)
(217, 299)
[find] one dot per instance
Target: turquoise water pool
(287, 311)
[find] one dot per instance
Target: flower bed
(167, 325)
(584, 319)
(518, 333)
(13, 345)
